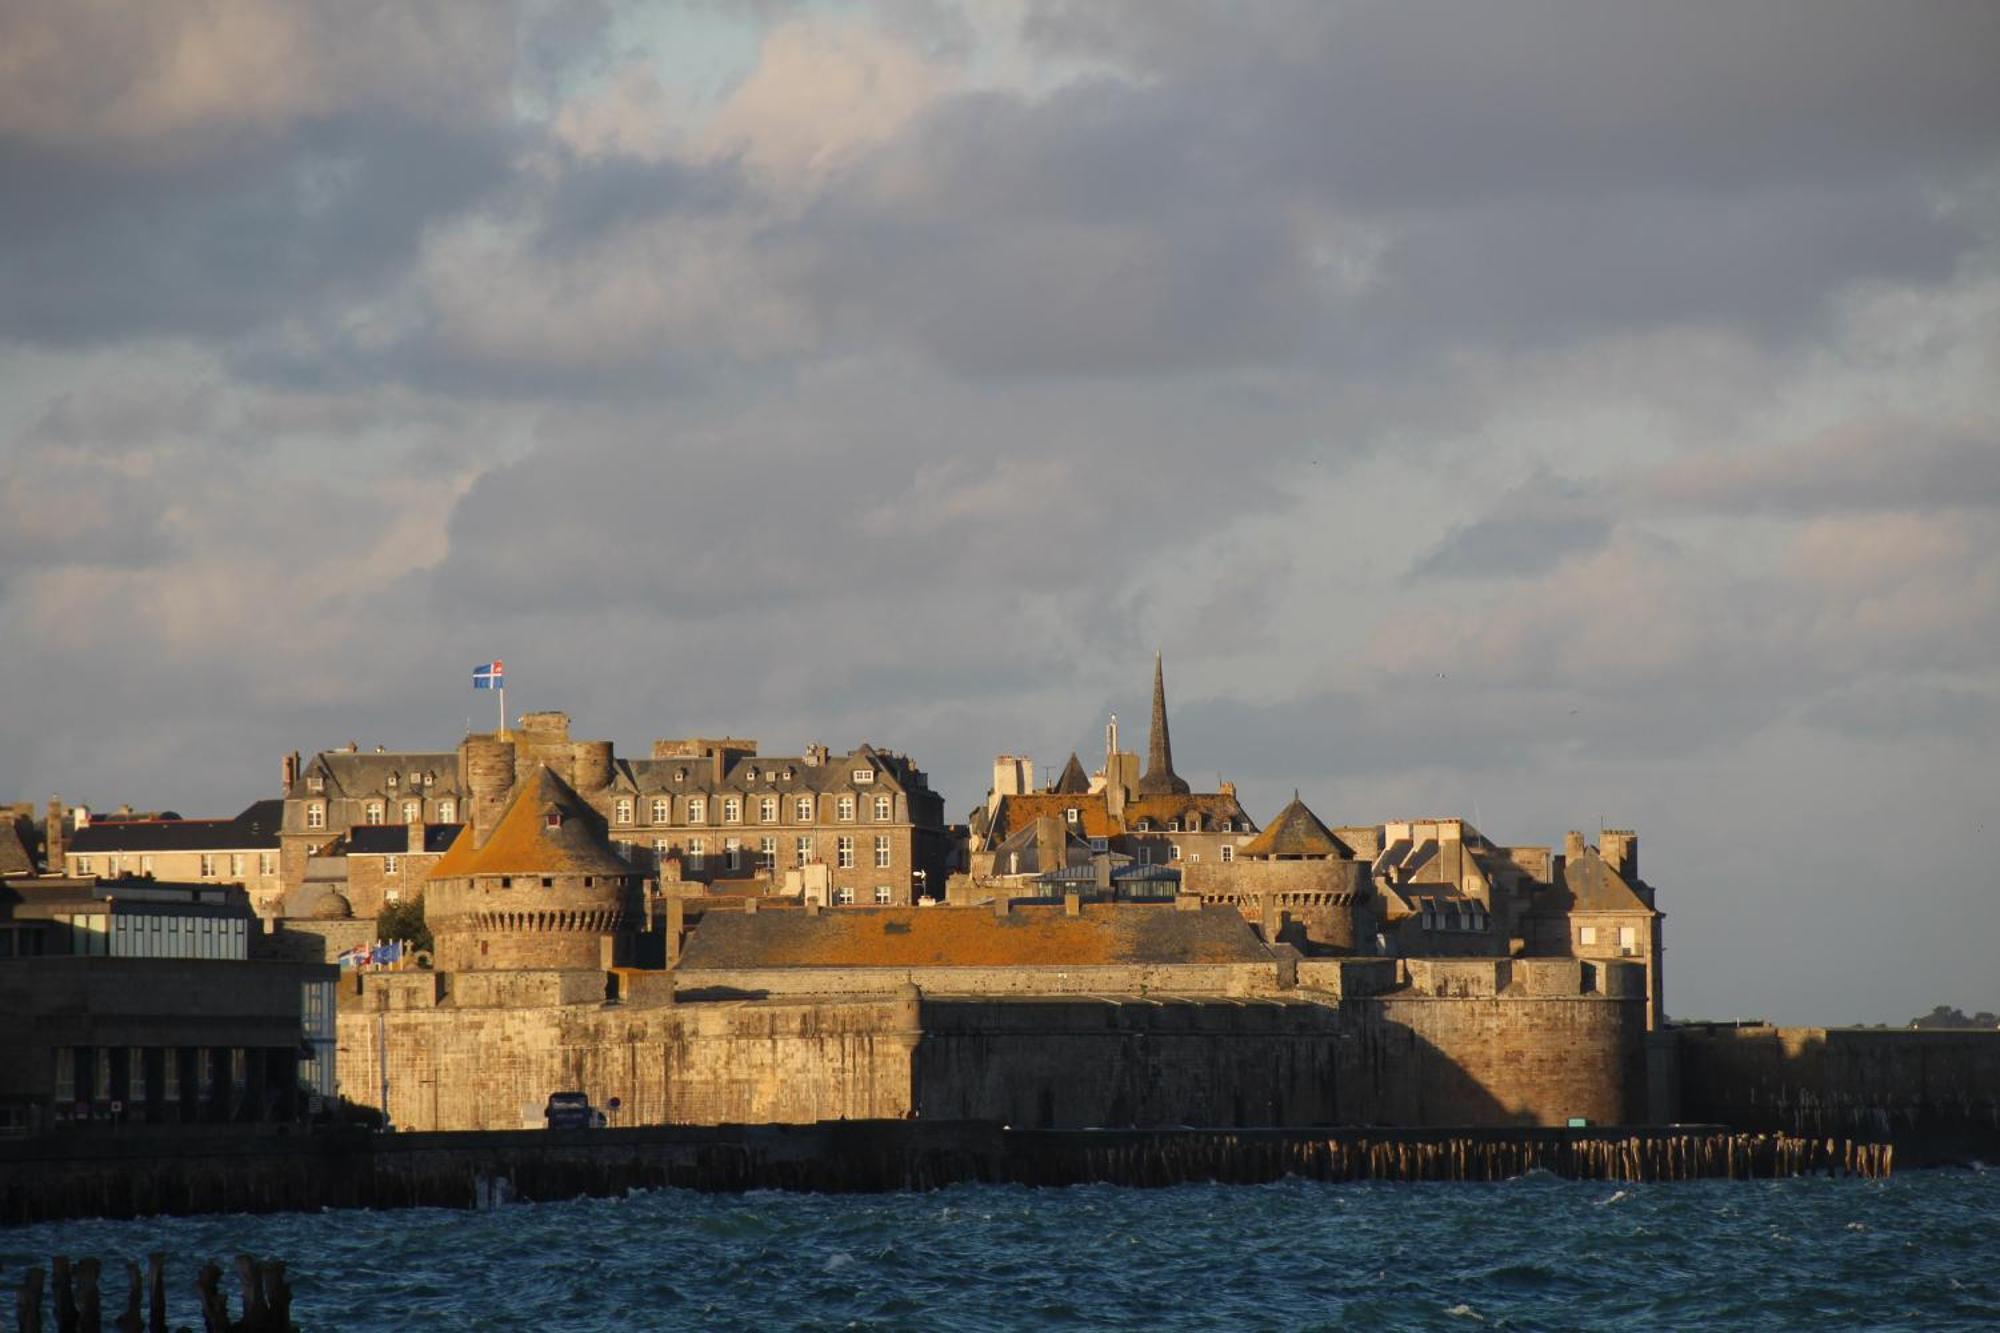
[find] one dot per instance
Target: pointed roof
(1587, 884)
(1159, 778)
(1074, 781)
(1297, 832)
(546, 829)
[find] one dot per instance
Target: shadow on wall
(1934, 1094)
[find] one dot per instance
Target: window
(1226, 825)
(732, 855)
(447, 812)
(420, 779)
(844, 809)
(1173, 851)
(1586, 934)
(804, 849)
(884, 809)
(732, 810)
(392, 865)
(864, 776)
(882, 853)
(1100, 844)
(146, 866)
(662, 808)
(844, 896)
(843, 852)
(680, 775)
(267, 864)
(316, 782)
(1628, 937)
(413, 811)
(697, 854)
(236, 865)
(1173, 826)
(83, 865)
(767, 853)
(660, 848)
(553, 819)
(392, 895)
(372, 812)
(697, 810)
(111, 866)
(1072, 814)
(207, 866)
(803, 809)
(392, 782)
(1194, 823)
(767, 810)
(1227, 853)
(1145, 826)
(623, 808)
(884, 895)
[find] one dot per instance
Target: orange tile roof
(1019, 812)
(523, 843)
(1161, 810)
(1038, 936)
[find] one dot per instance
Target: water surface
(1918, 1251)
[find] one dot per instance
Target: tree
(405, 922)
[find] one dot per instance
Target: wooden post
(30, 1307)
(65, 1295)
(89, 1316)
(131, 1321)
(214, 1305)
(156, 1285)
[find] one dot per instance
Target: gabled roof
(358, 773)
(527, 841)
(1073, 781)
(1015, 813)
(1297, 832)
(971, 937)
(1160, 811)
(256, 827)
(1587, 884)
(394, 839)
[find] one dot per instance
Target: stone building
(535, 886)
(1152, 817)
(242, 850)
(712, 812)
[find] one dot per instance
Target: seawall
(1934, 1094)
(124, 1176)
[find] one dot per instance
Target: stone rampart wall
(1935, 1094)
(1177, 979)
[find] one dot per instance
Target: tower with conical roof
(1159, 779)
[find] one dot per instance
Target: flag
(488, 676)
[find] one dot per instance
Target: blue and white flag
(489, 676)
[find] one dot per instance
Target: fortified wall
(1935, 1094)
(1367, 1041)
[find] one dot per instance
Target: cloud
(1860, 464)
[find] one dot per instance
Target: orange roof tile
(1019, 812)
(972, 937)
(525, 843)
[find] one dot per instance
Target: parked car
(570, 1110)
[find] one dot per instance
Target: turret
(486, 775)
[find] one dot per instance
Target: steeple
(1073, 781)
(1159, 778)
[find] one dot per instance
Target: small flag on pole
(489, 676)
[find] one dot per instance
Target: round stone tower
(486, 775)
(544, 890)
(591, 762)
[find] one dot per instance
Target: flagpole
(503, 709)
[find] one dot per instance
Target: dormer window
(1173, 826)
(805, 809)
(680, 775)
(864, 775)
(392, 782)
(553, 819)
(1145, 826)
(315, 782)
(623, 808)
(1072, 814)
(372, 812)
(428, 778)
(750, 774)
(788, 772)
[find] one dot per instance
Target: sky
(1559, 415)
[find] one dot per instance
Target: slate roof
(394, 839)
(367, 773)
(255, 827)
(524, 843)
(1162, 810)
(14, 857)
(1073, 780)
(1589, 885)
(1027, 846)
(771, 773)
(1297, 832)
(1103, 934)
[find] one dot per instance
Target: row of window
(695, 854)
(214, 865)
(1628, 936)
(155, 935)
(374, 813)
(805, 810)
(884, 895)
(317, 781)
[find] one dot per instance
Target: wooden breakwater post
(267, 1297)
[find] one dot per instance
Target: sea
(1918, 1251)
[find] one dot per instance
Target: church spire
(1159, 778)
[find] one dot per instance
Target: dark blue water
(1921, 1251)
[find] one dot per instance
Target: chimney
(1573, 846)
(1620, 850)
(415, 845)
(290, 770)
(52, 837)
